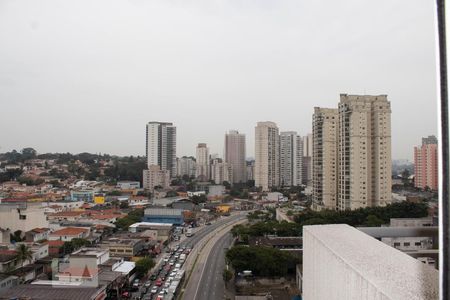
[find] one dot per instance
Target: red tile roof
(69, 231)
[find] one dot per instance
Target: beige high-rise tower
(202, 162)
(235, 155)
(324, 158)
(364, 151)
(352, 154)
(267, 169)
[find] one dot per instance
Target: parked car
(154, 290)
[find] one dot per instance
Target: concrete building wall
(25, 219)
(341, 262)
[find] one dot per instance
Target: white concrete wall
(342, 263)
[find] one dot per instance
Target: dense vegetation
(133, 216)
(262, 261)
(120, 168)
(371, 216)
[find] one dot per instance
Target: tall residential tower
(364, 152)
(202, 162)
(235, 155)
(267, 147)
(324, 158)
(426, 164)
(356, 162)
(291, 157)
(161, 146)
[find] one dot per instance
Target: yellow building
(223, 208)
(99, 199)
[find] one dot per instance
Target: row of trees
(262, 261)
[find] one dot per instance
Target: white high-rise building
(291, 156)
(186, 166)
(221, 171)
(161, 141)
(307, 159)
(202, 171)
(267, 156)
(235, 155)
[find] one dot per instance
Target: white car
(154, 290)
(178, 266)
(170, 279)
(176, 270)
(173, 273)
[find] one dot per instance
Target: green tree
(143, 266)
(24, 253)
(28, 153)
(262, 261)
(77, 243)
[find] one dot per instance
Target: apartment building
(352, 153)
(161, 141)
(186, 166)
(291, 158)
(364, 152)
(426, 164)
(267, 148)
(202, 171)
(221, 171)
(307, 159)
(324, 158)
(154, 177)
(235, 155)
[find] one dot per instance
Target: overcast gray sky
(87, 75)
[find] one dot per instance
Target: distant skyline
(82, 76)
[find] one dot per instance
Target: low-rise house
(69, 233)
(37, 234)
(28, 272)
(67, 216)
(8, 260)
(163, 230)
(7, 281)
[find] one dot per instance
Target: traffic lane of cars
(165, 274)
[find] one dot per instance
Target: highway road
(207, 229)
(206, 276)
(211, 283)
